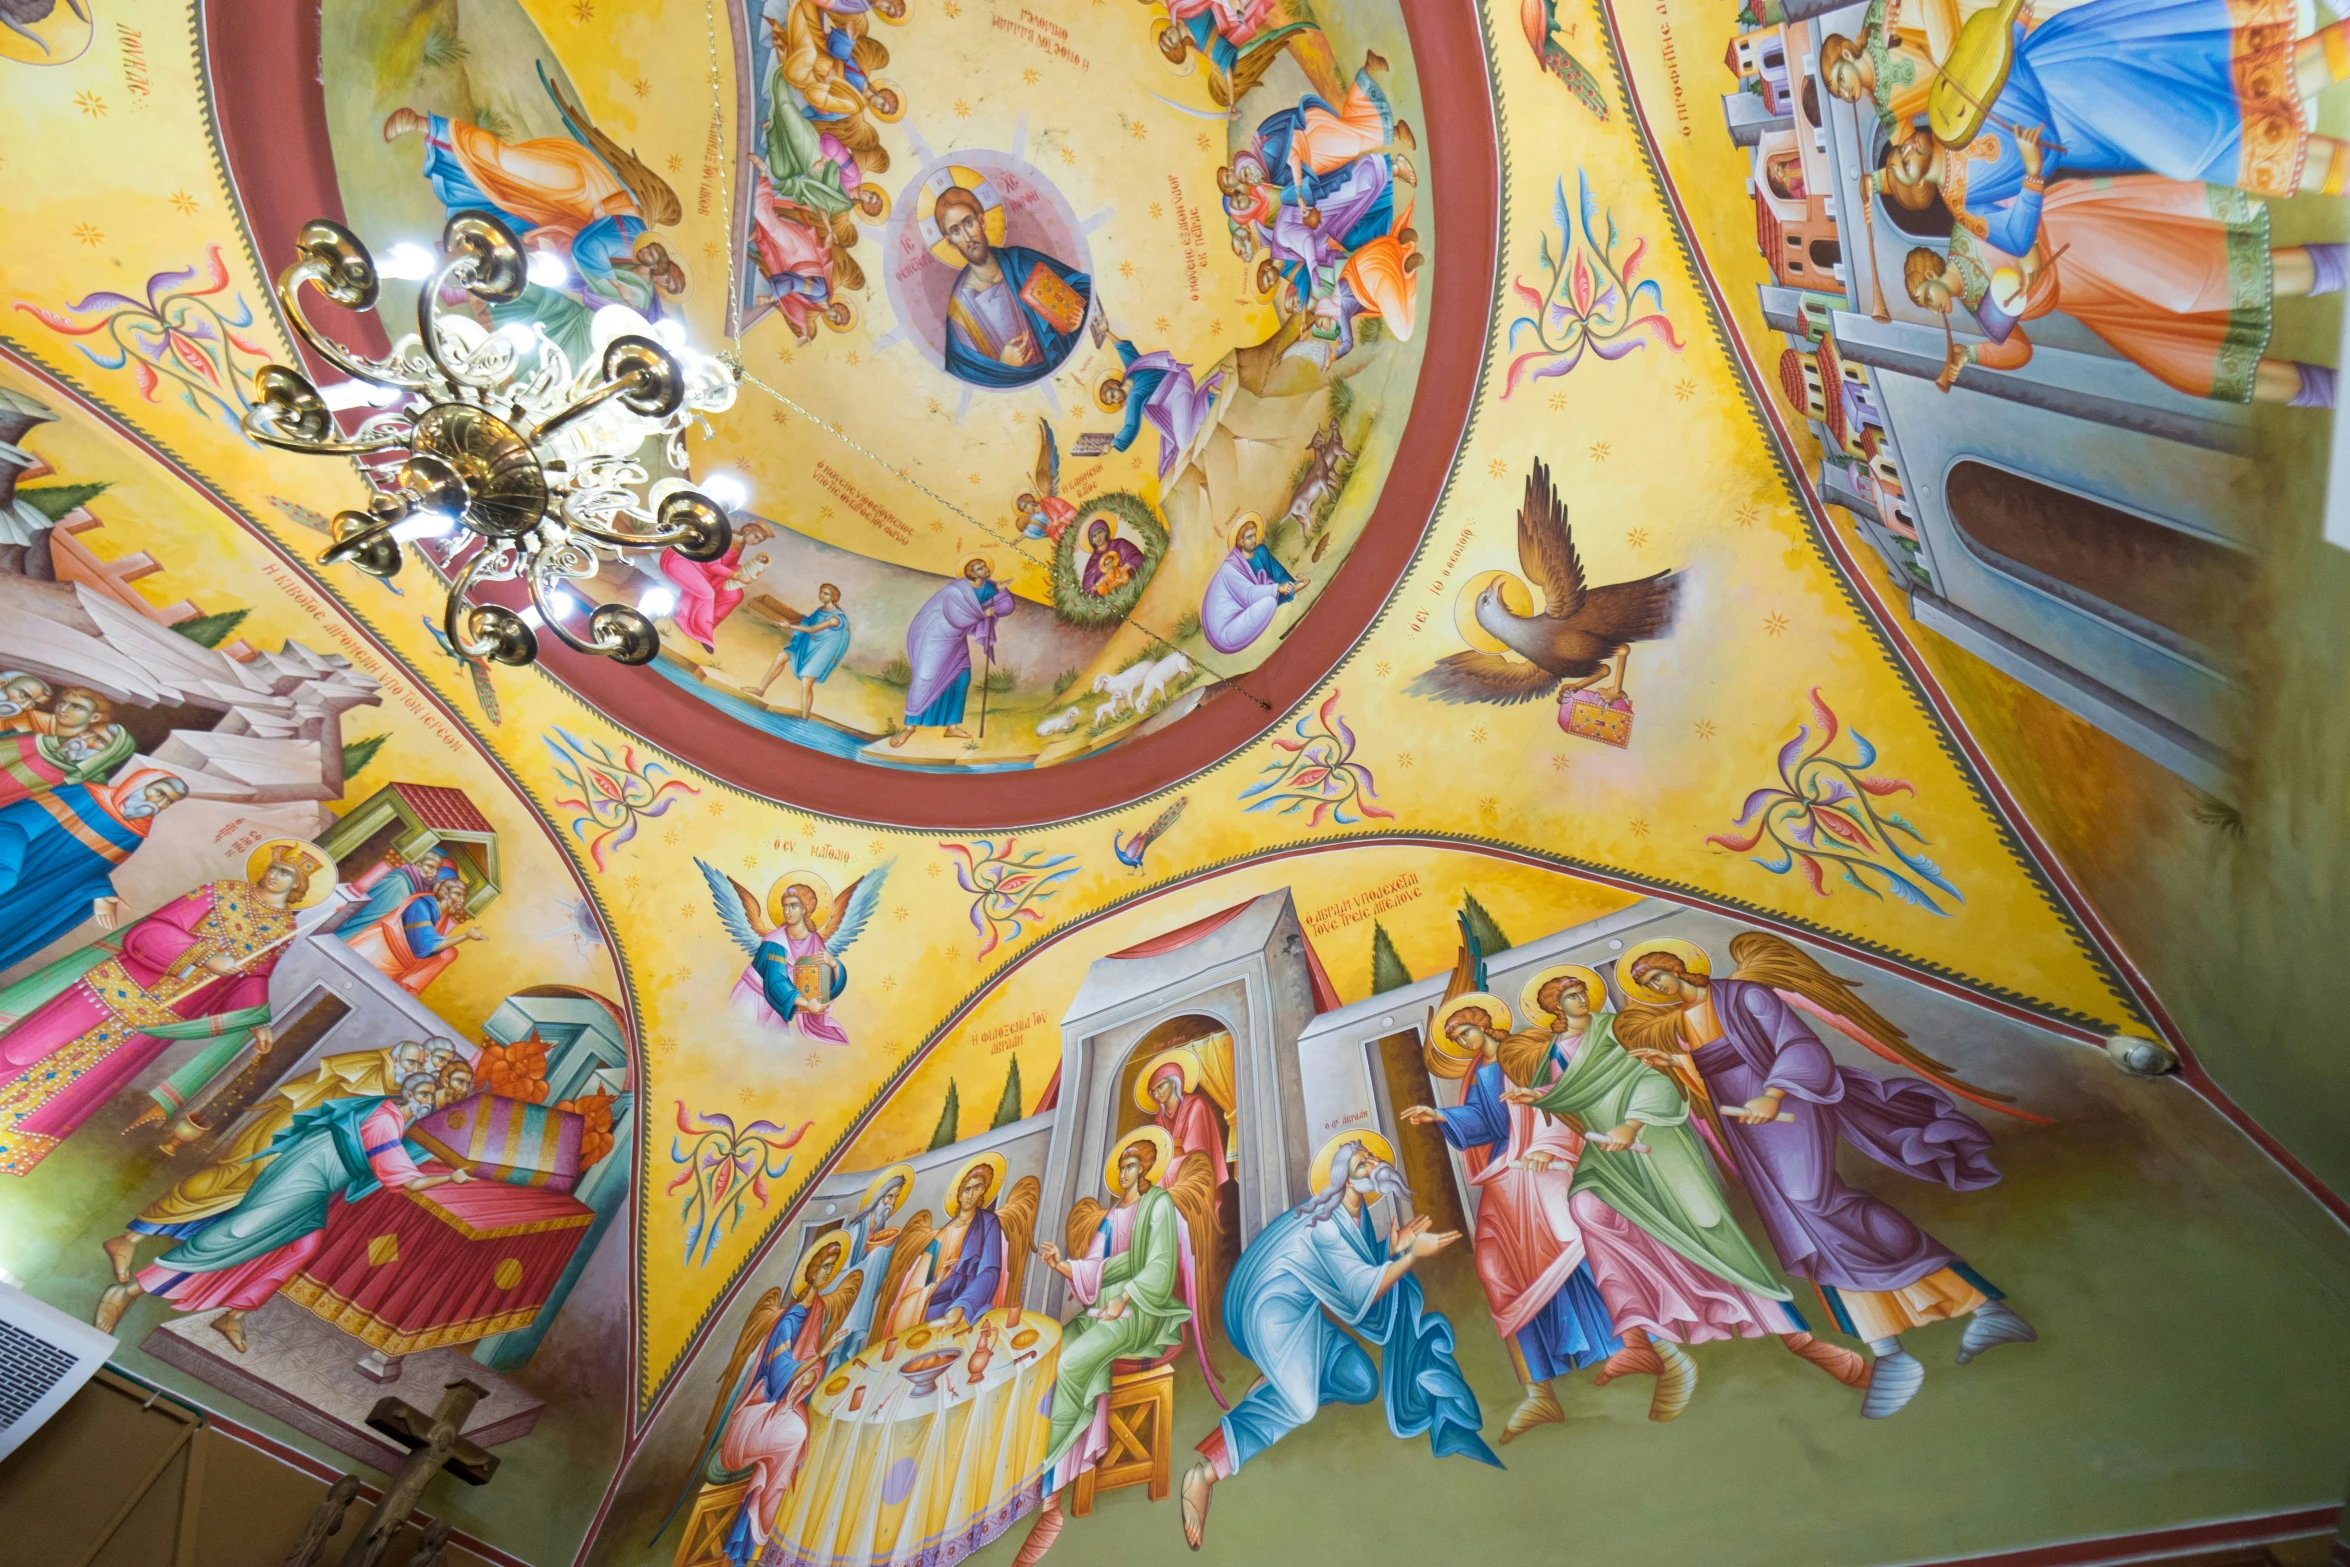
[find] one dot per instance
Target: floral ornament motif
(1320, 771)
(1006, 888)
(1590, 302)
(1822, 815)
(179, 333)
(725, 1167)
(616, 794)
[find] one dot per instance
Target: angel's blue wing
(864, 898)
(733, 905)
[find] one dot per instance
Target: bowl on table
(923, 1371)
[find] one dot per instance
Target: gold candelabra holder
(539, 466)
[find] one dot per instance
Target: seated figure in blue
(1015, 312)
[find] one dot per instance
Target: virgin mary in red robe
(707, 590)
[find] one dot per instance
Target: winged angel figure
(976, 1260)
(795, 942)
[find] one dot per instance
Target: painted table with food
(923, 1449)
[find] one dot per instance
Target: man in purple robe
(938, 649)
(1782, 1104)
(1247, 590)
(1159, 390)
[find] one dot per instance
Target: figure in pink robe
(709, 590)
(1191, 1121)
(206, 954)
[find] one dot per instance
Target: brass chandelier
(540, 469)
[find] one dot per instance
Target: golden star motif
(1637, 538)
(962, 110)
(641, 87)
(1141, 131)
(1558, 402)
(851, 356)
(1639, 828)
(89, 235)
(1156, 212)
(1160, 323)
(583, 10)
(1684, 389)
(1775, 623)
(1478, 734)
(1216, 327)
(676, 164)
(1747, 515)
(90, 103)
(1068, 155)
(1497, 468)
(815, 1059)
(1202, 141)
(954, 954)
(183, 201)
(1559, 764)
(1030, 77)
(712, 249)
(1126, 269)
(1381, 668)
(898, 913)
(1403, 759)
(1600, 451)
(934, 405)
(950, 10)
(1704, 728)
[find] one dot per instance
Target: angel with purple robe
(1780, 1104)
(938, 649)
(1159, 390)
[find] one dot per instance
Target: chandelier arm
(542, 596)
(452, 622)
(459, 268)
(586, 405)
(256, 425)
(626, 541)
(357, 366)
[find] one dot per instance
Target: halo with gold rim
(837, 1241)
(1182, 1059)
(900, 1171)
(1531, 995)
(993, 1163)
(1242, 521)
(1692, 958)
(322, 867)
(819, 917)
(926, 207)
(1369, 1141)
(1505, 1023)
(1157, 1137)
(1515, 597)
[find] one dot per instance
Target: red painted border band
(271, 107)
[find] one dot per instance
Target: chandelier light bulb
(548, 270)
(658, 602)
(729, 492)
(408, 261)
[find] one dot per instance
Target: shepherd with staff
(939, 640)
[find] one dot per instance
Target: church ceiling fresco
(1423, 545)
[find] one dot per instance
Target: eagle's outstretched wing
(1546, 546)
(913, 1241)
(1017, 1214)
(1084, 1219)
(737, 910)
(1483, 677)
(855, 906)
(1048, 459)
(1194, 1191)
(1802, 983)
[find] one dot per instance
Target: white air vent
(45, 1357)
